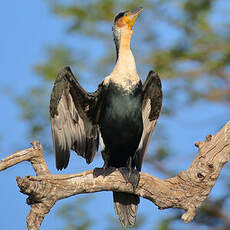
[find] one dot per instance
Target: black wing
(73, 114)
(151, 107)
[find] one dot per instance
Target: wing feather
(151, 107)
(73, 113)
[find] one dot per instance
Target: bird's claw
(131, 176)
(103, 171)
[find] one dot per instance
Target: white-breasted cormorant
(122, 113)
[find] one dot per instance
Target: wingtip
(154, 73)
(64, 70)
(62, 158)
(67, 68)
(153, 76)
(151, 72)
(60, 166)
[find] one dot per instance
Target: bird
(120, 116)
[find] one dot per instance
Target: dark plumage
(121, 124)
(73, 114)
(122, 113)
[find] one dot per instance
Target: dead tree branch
(185, 191)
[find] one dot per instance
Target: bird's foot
(105, 171)
(131, 176)
(109, 170)
(98, 172)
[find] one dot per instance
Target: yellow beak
(133, 16)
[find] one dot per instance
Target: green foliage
(35, 108)
(57, 57)
(164, 225)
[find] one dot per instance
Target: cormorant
(122, 114)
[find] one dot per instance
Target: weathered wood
(185, 191)
(33, 155)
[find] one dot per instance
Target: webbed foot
(131, 176)
(98, 172)
(103, 171)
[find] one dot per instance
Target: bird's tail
(125, 205)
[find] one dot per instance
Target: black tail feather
(125, 205)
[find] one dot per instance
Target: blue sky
(26, 27)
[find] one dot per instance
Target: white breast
(124, 73)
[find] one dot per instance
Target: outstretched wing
(151, 107)
(73, 114)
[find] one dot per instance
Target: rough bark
(187, 190)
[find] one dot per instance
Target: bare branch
(35, 157)
(185, 191)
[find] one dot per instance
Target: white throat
(125, 62)
(124, 73)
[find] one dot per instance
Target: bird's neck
(125, 59)
(125, 39)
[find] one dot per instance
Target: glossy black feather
(119, 15)
(73, 113)
(126, 207)
(151, 108)
(121, 128)
(121, 123)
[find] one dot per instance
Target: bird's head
(126, 19)
(123, 23)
